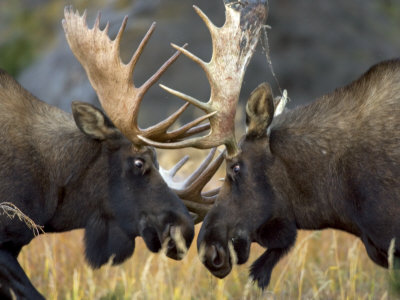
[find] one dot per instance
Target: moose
(90, 170)
(334, 163)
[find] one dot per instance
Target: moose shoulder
(66, 172)
(334, 163)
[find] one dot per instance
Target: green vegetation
(25, 32)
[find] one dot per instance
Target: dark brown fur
(65, 178)
(334, 163)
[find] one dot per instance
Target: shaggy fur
(334, 163)
(64, 177)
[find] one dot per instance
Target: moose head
(91, 170)
(229, 222)
(140, 200)
(331, 164)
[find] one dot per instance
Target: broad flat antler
(233, 46)
(190, 190)
(113, 80)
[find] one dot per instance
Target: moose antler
(190, 190)
(113, 80)
(233, 46)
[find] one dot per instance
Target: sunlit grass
(323, 265)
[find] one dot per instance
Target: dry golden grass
(323, 265)
(11, 211)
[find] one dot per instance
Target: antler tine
(196, 183)
(190, 189)
(183, 131)
(169, 174)
(212, 193)
(112, 79)
(172, 172)
(135, 57)
(210, 26)
(189, 180)
(162, 127)
(191, 56)
(233, 46)
(150, 82)
(197, 129)
(203, 106)
(188, 129)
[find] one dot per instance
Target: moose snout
(216, 256)
(176, 240)
(220, 247)
(217, 259)
(173, 232)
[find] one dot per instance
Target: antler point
(97, 21)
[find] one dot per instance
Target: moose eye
(138, 163)
(236, 168)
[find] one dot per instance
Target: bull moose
(89, 170)
(334, 163)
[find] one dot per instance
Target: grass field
(323, 265)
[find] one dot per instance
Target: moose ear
(259, 110)
(92, 121)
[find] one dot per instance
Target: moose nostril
(217, 256)
(166, 232)
(171, 244)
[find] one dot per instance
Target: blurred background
(314, 46)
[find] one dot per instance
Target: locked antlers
(190, 189)
(233, 46)
(113, 80)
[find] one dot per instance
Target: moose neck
(310, 141)
(68, 161)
